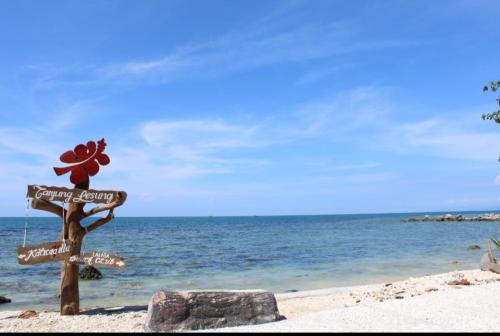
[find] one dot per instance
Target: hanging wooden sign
(73, 195)
(101, 259)
(54, 251)
(82, 162)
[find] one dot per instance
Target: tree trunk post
(70, 272)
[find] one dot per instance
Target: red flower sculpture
(83, 161)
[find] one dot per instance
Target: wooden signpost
(82, 162)
(100, 259)
(66, 195)
(58, 251)
(54, 251)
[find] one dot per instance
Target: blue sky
(255, 107)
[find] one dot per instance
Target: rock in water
(90, 273)
(3, 299)
(474, 247)
(176, 311)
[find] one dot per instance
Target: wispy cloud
(355, 166)
(203, 134)
(443, 138)
(250, 49)
(320, 74)
(176, 152)
(245, 48)
(189, 148)
(206, 144)
(359, 178)
(181, 149)
(27, 141)
(341, 114)
(473, 201)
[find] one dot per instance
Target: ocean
(275, 253)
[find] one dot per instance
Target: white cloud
(27, 142)
(163, 157)
(317, 75)
(265, 41)
(355, 166)
(202, 134)
(210, 146)
(473, 201)
(344, 113)
(360, 178)
(254, 46)
(206, 145)
(444, 138)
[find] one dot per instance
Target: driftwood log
(74, 233)
(489, 262)
(177, 311)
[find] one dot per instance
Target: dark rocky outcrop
(90, 273)
(473, 247)
(3, 299)
(454, 218)
(176, 311)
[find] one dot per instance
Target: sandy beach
(455, 301)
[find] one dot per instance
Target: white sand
(417, 304)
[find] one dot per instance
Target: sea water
(275, 253)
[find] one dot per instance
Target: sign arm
(40, 204)
(100, 222)
(119, 201)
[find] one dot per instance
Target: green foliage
(496, 242)
(493, 86)
(495, 116)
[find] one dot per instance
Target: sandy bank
(427, 303)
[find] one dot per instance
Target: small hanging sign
(101, 259)
(54, 251)
(73, 195)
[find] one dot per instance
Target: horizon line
(289, 215)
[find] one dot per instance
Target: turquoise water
(277, 253)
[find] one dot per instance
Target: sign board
(54, 251)
(72, 195)
(101, 259)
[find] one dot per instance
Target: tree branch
(44, 205)
(119, 201)
(100, 222)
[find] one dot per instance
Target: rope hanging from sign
(63, 223)
(82, 251)
(114, 236)
(26, 214)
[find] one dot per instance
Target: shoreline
(319, 310)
